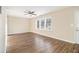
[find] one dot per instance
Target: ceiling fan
(29, 13)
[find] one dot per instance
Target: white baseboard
(59, 38)
(65, 40)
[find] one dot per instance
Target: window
(48, 24)
(44, 23)
(38, 24)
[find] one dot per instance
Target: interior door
(77, 35)
(77, 25)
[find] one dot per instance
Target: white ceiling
(39, 10)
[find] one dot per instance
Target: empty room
(42, 29)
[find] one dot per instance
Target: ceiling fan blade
(25, 14)
(34, 14)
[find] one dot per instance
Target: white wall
(17, 25)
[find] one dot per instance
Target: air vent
(0, 9)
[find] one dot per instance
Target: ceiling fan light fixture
(30, 13)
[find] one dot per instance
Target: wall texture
(63, 25)
(17, 25)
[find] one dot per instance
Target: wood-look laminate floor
(35, 43)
